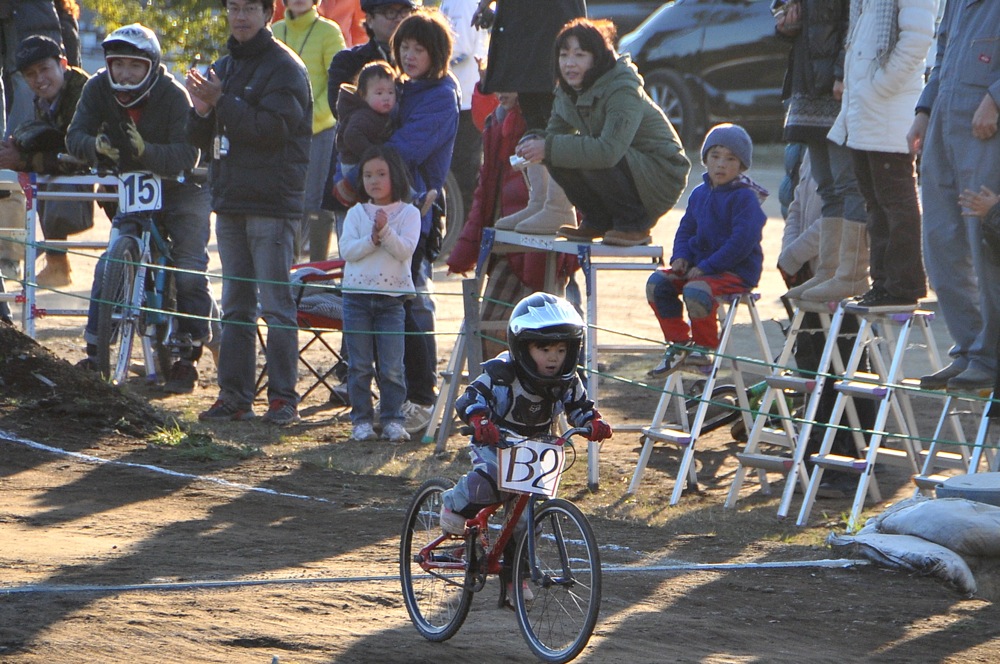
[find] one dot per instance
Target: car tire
(454, 216)
(674, 97)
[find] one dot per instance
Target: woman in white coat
(885, 58)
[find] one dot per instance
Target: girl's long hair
(398, 175)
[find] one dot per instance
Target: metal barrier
(31, 184)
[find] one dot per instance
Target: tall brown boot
(830, 231)
(851, 277)
(538, 186)
(556, 212)
(56, 273)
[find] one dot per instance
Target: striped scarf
(887, 25)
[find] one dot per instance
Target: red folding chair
(317, 293)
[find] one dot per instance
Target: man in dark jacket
(133, 116)
(254, 114)
(36, 144)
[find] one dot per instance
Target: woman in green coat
(607, 144)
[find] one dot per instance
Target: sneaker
(88, 364)
(281, 412)
(395, 433)
(181, 379)
(696, 358)
(363, 432)
(879, 297)
(222, 410)
(676, 354)
(939, 379)
(452, 523)
(418, 417)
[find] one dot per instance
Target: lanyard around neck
(304, 40)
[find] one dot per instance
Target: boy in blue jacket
(716, 249)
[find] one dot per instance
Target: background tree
(186, 28)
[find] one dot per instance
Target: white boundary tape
(678, 566)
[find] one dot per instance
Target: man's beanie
(34, 49)
(729, 136)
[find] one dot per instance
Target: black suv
(711, 61)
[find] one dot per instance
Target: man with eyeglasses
(253, 115)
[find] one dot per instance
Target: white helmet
(137, 42)
(545, 318)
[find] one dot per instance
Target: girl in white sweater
(380, 235)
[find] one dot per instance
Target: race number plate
(140, 192)
(531, 467)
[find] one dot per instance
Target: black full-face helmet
(138, 42)
(544, 318)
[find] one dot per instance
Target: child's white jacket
(384, 268)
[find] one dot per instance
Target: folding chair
(319, 311)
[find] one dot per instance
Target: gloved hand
(599, 429)
(135, 138)
(104, 147)
(485, 432)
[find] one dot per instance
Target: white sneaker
(363, 432)
(418, 417)
(451, 522)
(395, 433)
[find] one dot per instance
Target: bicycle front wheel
(117, 315)
(557, 610)
(437, 603)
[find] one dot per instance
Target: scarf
(886, 15)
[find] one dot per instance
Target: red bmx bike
(550, 558)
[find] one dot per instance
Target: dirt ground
(129, 532)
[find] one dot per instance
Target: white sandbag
(964, 526)
(909, 553)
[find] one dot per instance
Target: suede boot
(56, 273)
(556, 212)
(830, 232)
(538, 186)
(851, 277)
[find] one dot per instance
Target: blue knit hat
(733, 137)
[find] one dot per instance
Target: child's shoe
(363, 432)
(529, 595)
(451, 522)
(395, 433)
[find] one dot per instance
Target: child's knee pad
(661, 293)
(698, 299)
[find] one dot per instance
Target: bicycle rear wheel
(559, 619)
(117, 315)
(437, 606)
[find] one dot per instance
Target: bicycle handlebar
(504, 442)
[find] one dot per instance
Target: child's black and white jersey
(513, 407)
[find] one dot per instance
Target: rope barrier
(482, 299)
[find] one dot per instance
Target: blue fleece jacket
(428, 121)
(721, 230)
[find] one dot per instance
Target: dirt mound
(41, 390)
